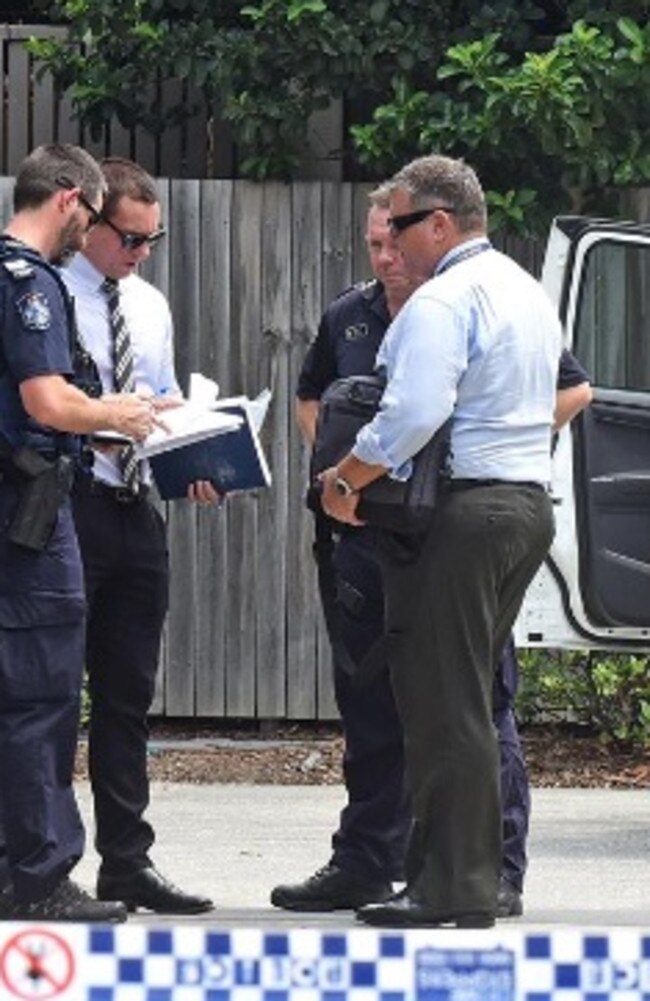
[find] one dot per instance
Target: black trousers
(449, 614)
(125, 560)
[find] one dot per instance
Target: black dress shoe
(509, 901)
(66, 902)
(331, 889)
(147, 888)
(405, 911)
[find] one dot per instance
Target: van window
(612, 327)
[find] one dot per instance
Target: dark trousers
(374, 825)
(41, 664)
(41, 834)
(449, 614)
(125, 561)
(515, 788)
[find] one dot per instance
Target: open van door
(594, 589)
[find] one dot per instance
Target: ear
(66, 198)
(443, 225)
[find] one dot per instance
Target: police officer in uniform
(57, 198)
(369, 845)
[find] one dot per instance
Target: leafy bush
(608, 693)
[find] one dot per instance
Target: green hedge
(608, 693)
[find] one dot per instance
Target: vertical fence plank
(171, 140)
(275, 530)
(42, 106)
(196, 135)
(184, 596)
(19, 140)
(6, 196)
(242, 511)
(301, 591)
(214, 349)
(360, 266)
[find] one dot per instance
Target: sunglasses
(132, 241)
(94, 216)
(398, 223)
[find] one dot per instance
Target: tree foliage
(547, 98)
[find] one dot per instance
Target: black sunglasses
(131, 241)
(398, 223)
(94, 216)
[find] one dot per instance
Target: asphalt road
(589, 852)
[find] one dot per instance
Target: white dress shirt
(148, 319)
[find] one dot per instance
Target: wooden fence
(248, 269)
(32, 112)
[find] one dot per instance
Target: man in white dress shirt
(126, 325)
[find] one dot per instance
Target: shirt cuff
(369, 450)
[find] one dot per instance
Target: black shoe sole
(323, 905)
(132, 906)
(317, 906)
(410, 921)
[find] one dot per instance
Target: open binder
(233, 460)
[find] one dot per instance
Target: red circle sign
(36, 964)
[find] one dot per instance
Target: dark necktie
(122, 373)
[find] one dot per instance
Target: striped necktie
(122, 373)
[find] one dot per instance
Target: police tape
(145, 963)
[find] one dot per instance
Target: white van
(594, 589)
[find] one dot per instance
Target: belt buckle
(124, 496)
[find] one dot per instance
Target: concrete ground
(589, 852)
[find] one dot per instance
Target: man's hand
(203, 492)
(130, 414)
(337, 506)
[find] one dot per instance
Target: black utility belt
(117, 494)
(467, 484)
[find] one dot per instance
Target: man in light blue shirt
(481, 341)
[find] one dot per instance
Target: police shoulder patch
(35, 311)
(356, 332)
(18, 267)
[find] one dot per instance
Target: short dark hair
(126, 179)
(50, 167)
(435, 178)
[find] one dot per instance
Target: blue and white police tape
(145, 963)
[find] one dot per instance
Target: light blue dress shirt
(480, 339)
(149, 322)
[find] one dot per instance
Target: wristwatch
(343, 488)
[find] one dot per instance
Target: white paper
(202, 391)
(258, 408)
(185, 423)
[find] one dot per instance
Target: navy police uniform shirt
(34, 332)
(349, 335)
(571, 373)
(37, 588)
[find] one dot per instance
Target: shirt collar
(86, 273)
(465, 249)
